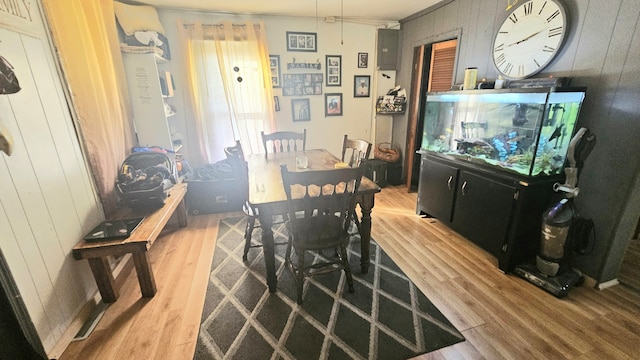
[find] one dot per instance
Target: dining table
(267, 196)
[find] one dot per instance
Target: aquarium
(524, 131)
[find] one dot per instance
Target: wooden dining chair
(355, 151)
(284, 141)
(319, 205)
(235, 155)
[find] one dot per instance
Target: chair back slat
(284, 141)
(318, 192)
(355, 151)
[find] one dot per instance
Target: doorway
(630, 269)
(433, 70)
(18, 336)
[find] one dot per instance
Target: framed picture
(301, 41)
(334, 70)
(301, 84)
(274, 64)
(333, 104)
(276, 103)
(300, 109)
(363, 60)
(361, 85)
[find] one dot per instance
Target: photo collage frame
(301, 84)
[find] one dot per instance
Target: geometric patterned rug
(387, 317)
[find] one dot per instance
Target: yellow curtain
(229, 87)
(85, 35)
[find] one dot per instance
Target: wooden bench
(137, 244)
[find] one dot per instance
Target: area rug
(387, 317)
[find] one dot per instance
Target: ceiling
(392, 10)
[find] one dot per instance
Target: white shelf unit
(147, 100)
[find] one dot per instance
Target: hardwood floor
(501, 316)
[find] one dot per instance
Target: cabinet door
(483, 210)
(387, 48)
(436, 189)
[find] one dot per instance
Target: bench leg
(104, 279)
(181, 212)
(145, 274)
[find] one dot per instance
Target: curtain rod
(221, 26)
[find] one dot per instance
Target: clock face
(529, 38)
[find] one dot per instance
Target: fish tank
(524, 131)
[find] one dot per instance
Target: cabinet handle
(449, 181)
(464, 186)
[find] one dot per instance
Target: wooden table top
(265, 179)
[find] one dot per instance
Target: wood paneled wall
(47, 199)
(601, 52)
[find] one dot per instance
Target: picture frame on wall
(363, 60)
(274, 64)
(361, 85)
(276, 103)
(334, 70)
(302, 84)
(333, 104)
(300, 109)
(302, 41)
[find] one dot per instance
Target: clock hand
(527, 38)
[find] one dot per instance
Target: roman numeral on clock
(555, 31)
(528, 8)
(508, 68)
(548, 49)
(513, 18)
(500, 59)
(553, 16)
(542, 8)
(499, 48)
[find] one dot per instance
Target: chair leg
(300, 275)
(251, 222)
(287, 255)
(347, 268)
(354, 216)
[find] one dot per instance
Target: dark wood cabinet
(483, 210)
(499, 212)
(436, 189)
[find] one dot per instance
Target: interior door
(433, 70)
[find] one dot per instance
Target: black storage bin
(376, 171)
(394, 173)
(213, 196)
(214, 188)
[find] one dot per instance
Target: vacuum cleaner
(562, 230)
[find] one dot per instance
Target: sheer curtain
(85, 35)
(229, 86)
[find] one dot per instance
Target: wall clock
(529, 38)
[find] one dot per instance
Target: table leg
(104, 279)
(366, 204)
(145, 274)
(266, 221)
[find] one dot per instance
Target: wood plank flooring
(501, 316)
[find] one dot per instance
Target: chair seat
(317, 232)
